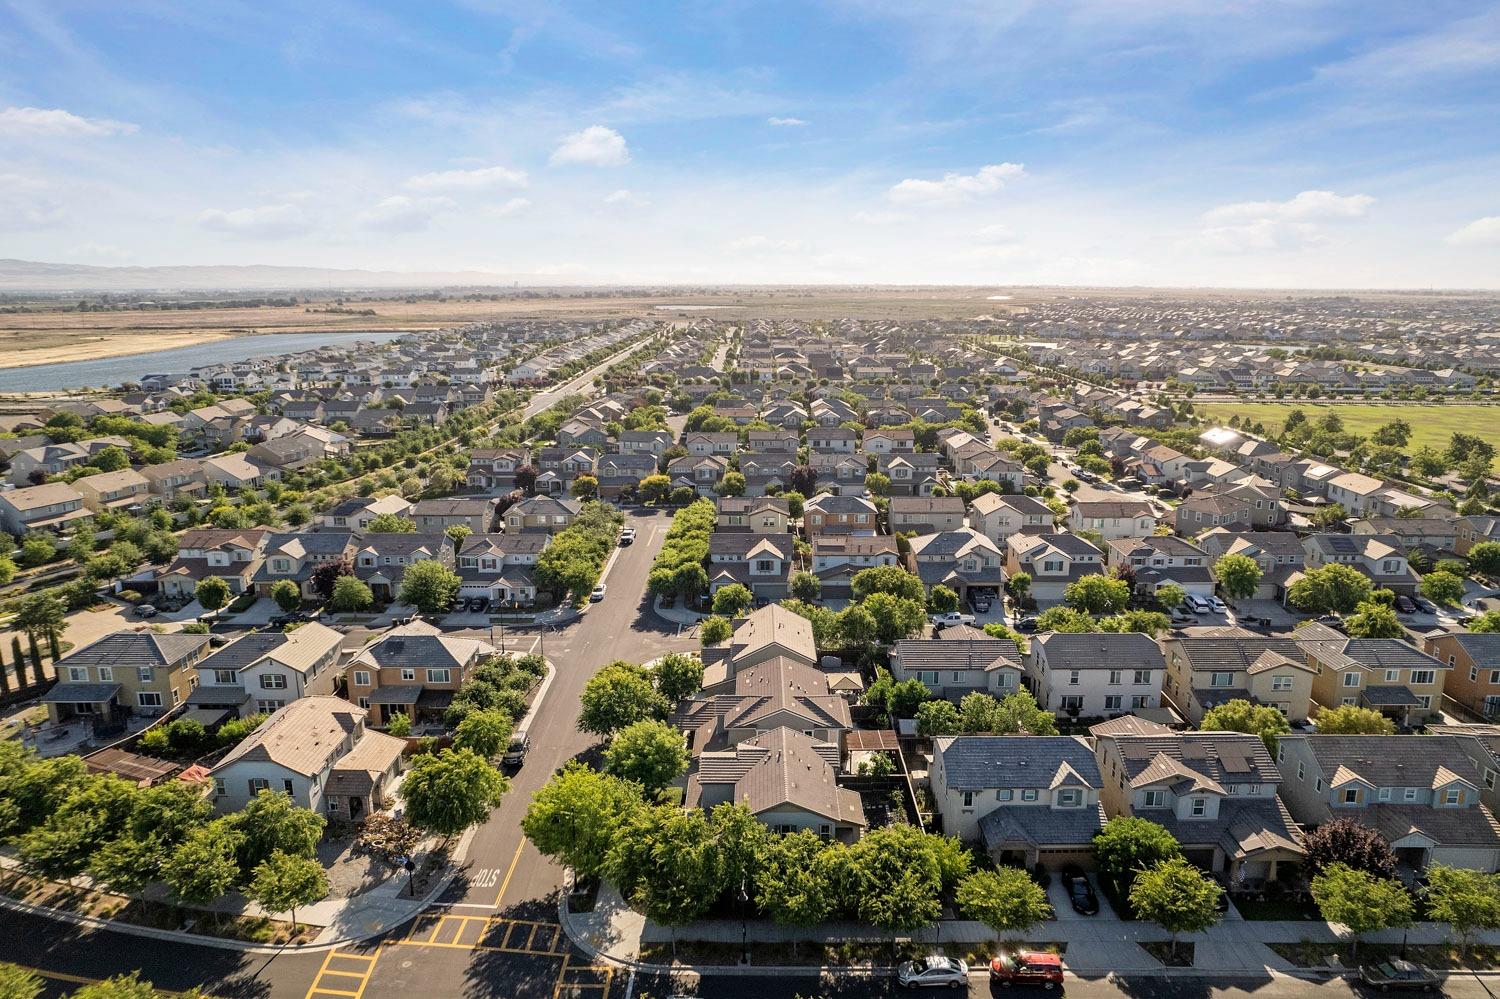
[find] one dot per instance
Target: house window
(1301, 772)
(1072, 702)
(408, 673)
(361, 678)
(1113, 702)
(106, 674)
(258, 784)
(1155, 799)
(146, 674)
(1411, 794)
(1351, 796)
(1069, 797)
(1473, 671)
(1114, 678)
(1495, 676)
(1281, 683)
(1419, 677)
(1384, 794)
(1392, 675)
(765, 565)
(268, 707)
(272, 681)
(1142, 677)
(1452, 796)
(1318, 784)
(364, 702)
(1351, 679)
(1141, 701)
(1004, 794)
(224, 676)
(219, 789)
(148, 699)
(1073, 678)
(78, 674)
(968, 797)
(1220, 679)
(286, 785)
(1255, 789)
(1200, 807)
(439, 676)
(1028, 794)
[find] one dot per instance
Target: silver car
(934, 972)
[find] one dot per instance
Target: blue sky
(1141, 142)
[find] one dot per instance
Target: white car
(951, 618)
(934, 972)
(1196, 604)
(627, 536)
(597, 595)
(1217, 605)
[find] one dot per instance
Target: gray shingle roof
(942, 653)
(130, 649)
(1100, 650)
(1238, 653)
(977, 762)
(1393, 760)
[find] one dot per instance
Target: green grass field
(1431, 425)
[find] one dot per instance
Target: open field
(45, 336)
(1430, 425)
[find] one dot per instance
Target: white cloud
(594, 146)
(1308, 206)
(514, 206)
(626, 197)
(957, 186)
(785, 122)
(762, 244)
(483, 179)
(260, 222)
(24, 206)
(57, 123)
(996, 233)
(399, 213)
(1480, 232)
(879, 218)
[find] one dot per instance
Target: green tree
(161, 818)
(1467, 900)
(456, 533)
(577, 815)
(42, 618)
(1240, 715)
(287, 594)
(271, 822)
(1097, 594)
(1443, 587)
(1359, 901)
(1238, 576)
(1487, 623)
(1171, 596)
(1332, 588)
(1065, 619)
(1373, 620)
(7, 569)
(350, 595)
(618, 695)
(282, 882)
(1019, 585)
(895, 617)
(95, 812)
(1176, 896)
(895, 877)
(805, 586)
(1428, 462)
(857, 628)
(793, 883)
(1141, 622)
(732, 600)
(1006, 900)
(732, 484)
(942, 600)
(1396, 433)
(1351, 719)
(895, 700)
(678, 675)
(212, 593)
(484, 733)
(651, 753)
(1484, 558)
(448, 792)
(714, 630)
(890, 579)
(18, 983)
(584, 487)
(1127, 845)
(204, 867)
(667, 863)
(429, 586)
(129, 986)
(654, 488)
(391, 523)
(937, 718)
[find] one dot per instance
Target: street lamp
(744, 898)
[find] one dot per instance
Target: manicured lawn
(1430, 425)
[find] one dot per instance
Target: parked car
(1398, 974)
(934, 972)
(515, 752)
(1332, 621)
(145, 610)
(1027, 968)
(1404, 604)
(627, 536)
(1080, 892)
(1424, 605)
(951, 618)
(1026, 624)
(597, 595)
(1196, 604)
(980, 604)
(478, 604)
(1216, 605)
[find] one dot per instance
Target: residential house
(997, 516)
(296, 556)
(434, 516)
(1421, 793)
(51, 507)
(767, 441)
(236, 472)
(837, 558)
(959, 661)
(1388, 675)
(1380, 557)
(356, 512)
(925, 514)
(264, 671)
(1279, 554)
(1095, 674)
(965, 561)
(552, 514)
(171, 479)
(754, 514)
(380, 560)
(125, 673)
(888, 440)
(318, 752)
(494, 469)
(701, 443)
(912, 473)
(1053, 561)
(500, 567)
(1205, 511)
(217, 553)
(620, 474)
(827, 513)
(1217, 793)
(1473, 660)
(762, 563)
(703, 472)
(1154, 562)
(126, 489)
(787, 779)
(1113, 519)
(1205, 671)
(413, 669)
(1027, 800)
(829, 440)
(845, 473)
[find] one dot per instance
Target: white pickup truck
(951, 618)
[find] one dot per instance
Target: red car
(1027, 968)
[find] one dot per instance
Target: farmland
(1430, 425)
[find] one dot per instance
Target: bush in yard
(212, 593)
(429, 586)
(678, 675)
(1443, 587)
(1238, 576)
(484, 733)
(1467, 900)
(1347, 842)
(287, 594)
(1351, 719)
(1331, 588)
(350, 595)
(1097, 594)
(732, 601)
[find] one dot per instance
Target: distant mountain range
(29, 275)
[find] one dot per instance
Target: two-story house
(965, 561)
(126, 489)
(1114, 518)
(997, 516)
(297, 555)
(959, 661)
(264, 671)
(500, 568)
(319, 753)
(912, 473)
(434, 516)
(754, 515)
(1380, 557)
(1205, 671)
(171, 479)
(494, 470)
(1215, 792)
(1053, 561)
(219, 553)
(701, 472)
(51, 507)
(1388, 675)
(925, 514)
(355, 513)
(1421, 793)
(837, 558)
(1095, 674)
(551, 514)
(413, 669)
(380, 560)
(1279, 554)
(1154, 562)
(1473, 660)
(125, 673)
(827, 513)
(762, 563)
(1027, 800)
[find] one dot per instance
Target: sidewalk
(1096, 946)
(677, 615)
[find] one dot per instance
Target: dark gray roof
(941, 653)
(976, 762)
(1393, 760)
(1240, 824)
(1223, 757)
(927, 504)
(1482, 647)
(1374, 653)
(241, 653)
(407, 694)
(1237, 653)
(1395, 696)
(131, 649)
(1039, 825)
(1100, 650)
(411, 650)
(80, 693)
